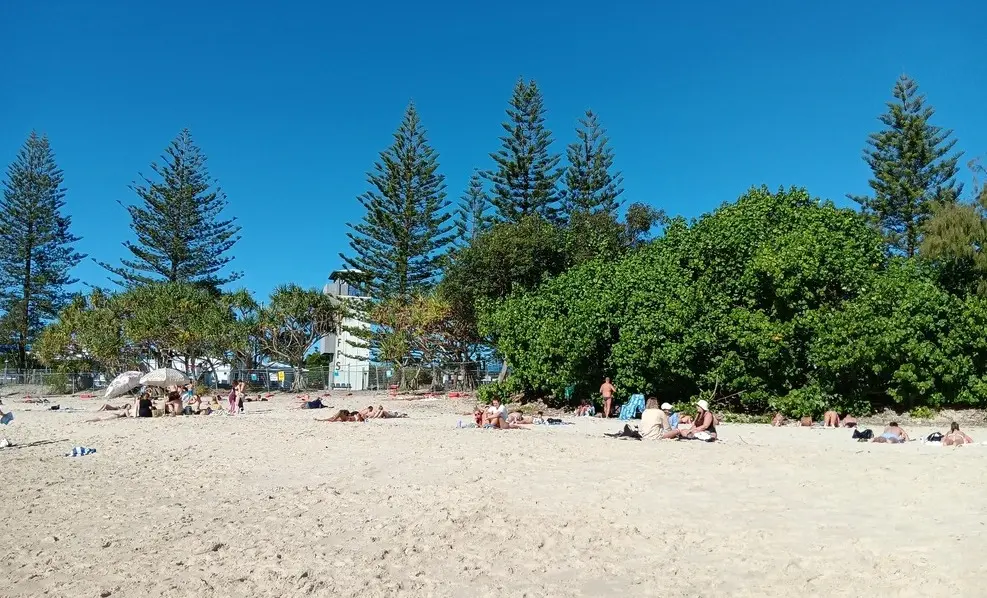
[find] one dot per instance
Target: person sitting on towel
(495, 415)
(702, 428)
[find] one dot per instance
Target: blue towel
(7, 418)
(80, 451)
(632, 407)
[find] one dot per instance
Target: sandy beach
(275, 504)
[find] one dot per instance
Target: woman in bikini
(955, 437)
(344, 416)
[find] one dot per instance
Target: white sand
(275, 504)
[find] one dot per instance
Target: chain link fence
(42, 383)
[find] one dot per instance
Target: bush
(923, 413)
(58, 383)
(802, 402)
(503, 391)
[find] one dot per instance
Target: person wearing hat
(673, 418)
(702, 428)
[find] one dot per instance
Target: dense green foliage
(526, 174)
(182, 234)
(36, 247)
(912, 168)
(778, 300)
(293, 321)
(472, 217)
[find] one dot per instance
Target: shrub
(58, 383)
(497, 390)
(923, 413)
(802, 402)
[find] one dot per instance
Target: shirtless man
(955, 437)
(607, 391)
(893, 434)
(831, 419)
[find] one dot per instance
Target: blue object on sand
(7, 418)
(80, 451)
(632, 407)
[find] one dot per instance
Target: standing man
(607, 391)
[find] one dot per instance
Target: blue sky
(293, 100)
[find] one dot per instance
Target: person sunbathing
(849, 421)
(893, 434)
(316, 404)
(778, 420)
(703, 427)
(344, 416)
(108, 407)
(382, 413)
(955, 437)
(584, 409)
(831, 419)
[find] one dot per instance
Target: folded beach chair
(632, 407)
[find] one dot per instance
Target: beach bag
(863, 435)
(935, 437)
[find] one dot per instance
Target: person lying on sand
(344, 416)
(955, 437)
(778, 420)
(831, 419)
(703, 428)
(849, 421)
(516, 417)
(316, 404)
(382, 413)
(108, 407)
(893, 434)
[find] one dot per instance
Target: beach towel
(7, 418)
(80, 451)
(632, 407)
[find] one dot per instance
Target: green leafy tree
(36, 246)
(472, 216)
(913, 167)
(526, 174)
(398, 246)
(955, 239)
(591, 184)
(182, 233)
(293, 320)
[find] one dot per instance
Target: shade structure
(123, 384)
(164, 377)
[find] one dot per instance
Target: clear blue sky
(293, 100)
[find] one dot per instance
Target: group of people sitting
(831, 419)
(179, 401)
(661, 422)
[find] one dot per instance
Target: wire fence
(39, 383)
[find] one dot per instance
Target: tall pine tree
(591, 185)
(36, 247)
(471, 217)
(182, 234)
(913, 168)
(525, 179)
(399, 245)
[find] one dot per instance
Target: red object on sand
(392, 390)
(87, 396)
(455, 395)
